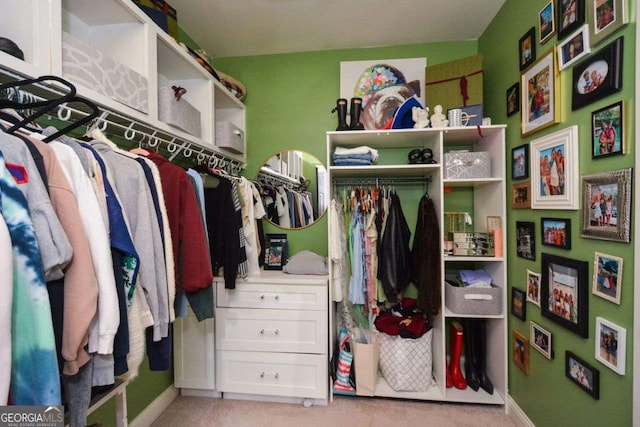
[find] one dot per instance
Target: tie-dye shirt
(35, 378)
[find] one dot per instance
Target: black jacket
(395, 265)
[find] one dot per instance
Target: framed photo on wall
(605, 18)
(554, 170)
(556, 232)
(527, 48)
(607, 277)
(526, 240)
(598, 76)
(564, 293)
(518, 304)
(521, 195)
(607, 131)
(606, 205)
(520, 162)
(520, 351)
(573, 48)
(513, 99)
(541, 340)
(570, 16)
(611, 347)
(547, 22)
(582, 374)
(533, 287)
(539, 100)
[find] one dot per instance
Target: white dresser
(271, 339)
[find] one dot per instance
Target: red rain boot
(455, 351)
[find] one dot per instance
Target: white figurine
(438, 120)
(420, 116)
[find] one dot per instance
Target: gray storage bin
(180, 113)
(230, 137)
(473, 300)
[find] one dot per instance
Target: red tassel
(463, 90)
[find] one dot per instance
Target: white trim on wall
(636, 247)
(517, 415)
(155, 408)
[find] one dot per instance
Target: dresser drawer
(271, 330)
(272, 295)
(274, 374)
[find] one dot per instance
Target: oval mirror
(293, 188)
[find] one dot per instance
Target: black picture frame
(604, 71)
(527, 49)
(519, 303)
(547, 22)
(526, 240)
(520, 162)
(564, 287)
(275, 252)
(513, 99)
(570, 16)
(605, 121)
(555, 232)
(582, 374)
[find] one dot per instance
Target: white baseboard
(155, 408)
(517, 414)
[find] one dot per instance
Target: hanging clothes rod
(382, 181)
(274, 178)
(122, 126)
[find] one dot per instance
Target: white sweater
(104, 327)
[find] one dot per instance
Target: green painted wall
(546, 395)
(289, 101)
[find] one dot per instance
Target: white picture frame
(552, 188)
(611, 345)
(574, 47)
(540, 339)
(607, 277)
(533, 287)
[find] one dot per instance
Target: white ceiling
(257, 27)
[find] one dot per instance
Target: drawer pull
(275, 331)
(275, 376)
(262, 297)
(277, 297)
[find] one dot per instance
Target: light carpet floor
(344, 411)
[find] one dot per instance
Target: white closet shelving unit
(485, 196)
(118, 31)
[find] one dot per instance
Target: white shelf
(488, 197)
(118, 32)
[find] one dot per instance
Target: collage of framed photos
(546, 175)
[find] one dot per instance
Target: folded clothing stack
(358, 156)
(475, 278)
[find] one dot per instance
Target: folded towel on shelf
(341, 151)
(350, 161)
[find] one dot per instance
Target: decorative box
(178, 113)
(455, 83)
(230, 137)
(474, 114)
(87, 66)
(473, 300)
(467, 164)
(162, 14)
